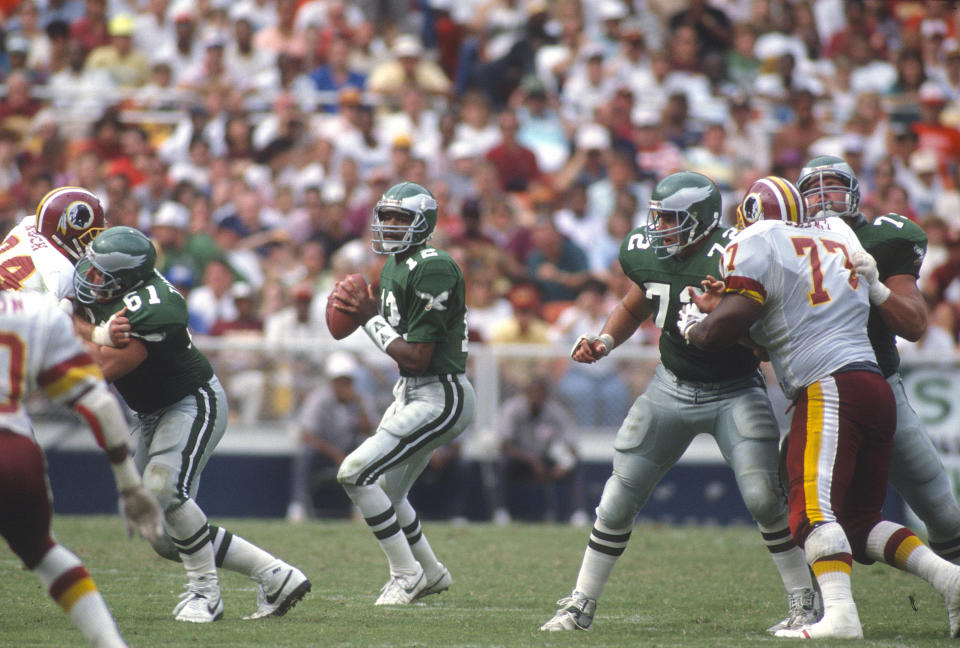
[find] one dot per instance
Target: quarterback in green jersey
(897, 246)
(181, 415)
(419, 320)
(720, 393)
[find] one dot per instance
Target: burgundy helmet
(70, 218)
(770, 198)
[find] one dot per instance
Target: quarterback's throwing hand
(866, 267)
(141, 512)
(690, 316)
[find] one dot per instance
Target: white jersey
(815, 307)
(39, 349)
(29, 261)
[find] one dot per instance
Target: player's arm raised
(628, 314)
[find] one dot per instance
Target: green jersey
(899, 245)
(665, 283)
(173, 367)
(422, 297)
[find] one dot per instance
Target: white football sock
(238, 555)
(787, 556)
(188, 528)
(419, 545)
(69, 584)
(605, 546)
(379, 515)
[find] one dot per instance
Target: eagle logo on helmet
(771, 198)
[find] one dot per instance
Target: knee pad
(825, 540)
(163, 545)
(159, 480)
(763, 497)
(619, 504)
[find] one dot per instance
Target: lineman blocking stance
(795, 290)
(721, 393)
(898, 245)
(420, 323)
(181, 416)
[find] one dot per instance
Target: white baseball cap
(341, 365)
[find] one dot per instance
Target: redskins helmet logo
(770, 198)
(77, 216)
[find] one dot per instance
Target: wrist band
(380, 332)
(878, 293)
(608, 341)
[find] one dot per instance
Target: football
(339, 323)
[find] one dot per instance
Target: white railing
(266, 385)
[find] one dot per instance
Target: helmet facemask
(681, 231)
(814, 188)
(395, 239)
(89, 288)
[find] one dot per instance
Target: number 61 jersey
(174, 367)
(815, 307)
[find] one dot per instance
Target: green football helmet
(811, 182)
(416, 202)
(691, 201)
(117, 261)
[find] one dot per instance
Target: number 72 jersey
(815, 307)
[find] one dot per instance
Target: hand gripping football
(340, 323)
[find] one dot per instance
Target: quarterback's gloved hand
(141, 512)
(690, 316)
(866, 267)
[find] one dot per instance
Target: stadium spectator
(408, 68)
(127, 66)
(557, 264)
(610, 395)
(538, 445)
(515, 164)
(335, 418)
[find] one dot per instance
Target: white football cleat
(440, 584)
(201, 603)
(575, 613)
(952, 599)
(402, 590)
(837, 623)
(803, 610)
(279, 587)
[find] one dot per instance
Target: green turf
(674, 586)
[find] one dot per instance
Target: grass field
(674, 586)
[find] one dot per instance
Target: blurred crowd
(252, 138)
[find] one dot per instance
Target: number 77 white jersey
(815, 307)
